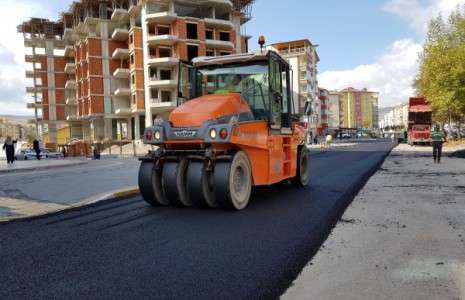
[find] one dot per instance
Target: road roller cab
(232, 129)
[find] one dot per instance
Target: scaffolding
(41, 28)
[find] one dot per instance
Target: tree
(441, 74)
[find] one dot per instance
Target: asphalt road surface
(125, 249)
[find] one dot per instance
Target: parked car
(27, 154)
(344, 135)
(51, 154)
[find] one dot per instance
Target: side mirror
(308, 108)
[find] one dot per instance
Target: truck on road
(419, 121)
(232, 129)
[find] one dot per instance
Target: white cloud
(418, 15)
(393, 71)
(391, 74)
(13, 82)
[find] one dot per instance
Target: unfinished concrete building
(106, 67)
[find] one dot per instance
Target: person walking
(36, 147)
(329, 140)
(9, 148)
(437, 138)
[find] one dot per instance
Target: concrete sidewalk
(29, 165)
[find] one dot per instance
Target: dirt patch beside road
(403, 236)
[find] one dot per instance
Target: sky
(372, 44)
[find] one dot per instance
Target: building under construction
(107, 67)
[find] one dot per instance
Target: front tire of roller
(150, 188)
(233, 182)
(303, 167)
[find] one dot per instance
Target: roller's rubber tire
(199, 185)
(303, 167)
(233, 182)
(174, 182)
(150, 184)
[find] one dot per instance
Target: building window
(165, 74)
(153, 72)
(133, 96)
(192, 51)
(132, 59)
(163, 30)
(224, 36)
(209, 34)
(154, 94)
(224, 53)
(191, 29)
(164, 52)
(133, 79)
(210, 53)
(131, 38)
(165, 96)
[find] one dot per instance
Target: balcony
(30, 58)
(157, 103)
(163, 83)
(162, 17)
(71, 118)
(222, 3)
(33, 105)
(120, 53)
(123, 92)
(164, 61)
(227, 45)
(69, 51)
(118, 14)
(70, 84)
(163, 40)
(217, 23)
(68, 34)
(123, 111)
(32, 74)
(134, 10)
(121, 73)
(33, 89)
(71, 101)
(70, 68)
(120, 34)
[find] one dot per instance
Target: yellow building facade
(358, 108)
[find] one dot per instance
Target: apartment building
(303, 58)
(107, 67)
(9, 129)
(334, 111)
(359, 108)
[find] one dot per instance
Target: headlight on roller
(157, 135)
(213, 133)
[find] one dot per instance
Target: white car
(51, 154)
(27, 154)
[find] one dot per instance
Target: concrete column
(137, 127)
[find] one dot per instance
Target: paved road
(126, 249)
(399, 239)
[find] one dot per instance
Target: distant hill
(14, 119)
(384, 110)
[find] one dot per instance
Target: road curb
(39, 209)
